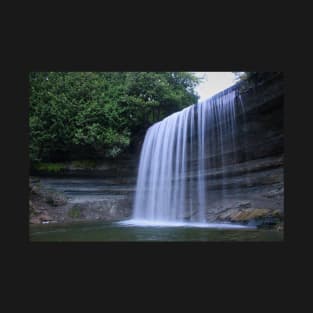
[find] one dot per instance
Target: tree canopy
(76, 115)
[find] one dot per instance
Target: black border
(244, 258)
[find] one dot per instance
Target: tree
(100, 114)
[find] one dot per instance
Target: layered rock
(54, 205)
(104, 192)
(43, 204)
(252, 171)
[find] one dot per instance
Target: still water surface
(116, 231)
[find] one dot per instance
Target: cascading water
(178, 152)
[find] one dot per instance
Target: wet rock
(243, 204)
(110, 209)
(189, 215)
(54, 198)
(34, 220)
(277, 192)
(279, 227)
(45, 217)
(261, 217)
(43, 204)
(33, 180)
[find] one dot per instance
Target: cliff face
(249, 187)
(103, 192)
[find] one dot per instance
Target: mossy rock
(50, 167)
(74, 212)
(84, 164)
(53, 198)
(249, 214)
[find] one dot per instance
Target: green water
(112, 231)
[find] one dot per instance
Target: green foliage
(74, 212)
(77, 115)
(84, 164)
(49, 167)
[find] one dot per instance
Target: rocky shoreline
(51, 206)
(259, 217)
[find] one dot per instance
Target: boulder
(45, 217)
(34, 220)
(260, 217)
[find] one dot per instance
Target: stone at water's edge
(47, 206)
(114, 203)
(106, 210)
(249, 214)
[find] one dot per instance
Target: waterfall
(177, 155)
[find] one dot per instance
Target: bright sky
(213, 83)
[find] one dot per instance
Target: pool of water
(130, 231)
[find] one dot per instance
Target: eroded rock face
(106, 210)
(257, 216)
(248, 186)
(103, 192)
(42, 203)
(49, 204)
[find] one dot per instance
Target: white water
(149, 223)
(171, 184)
